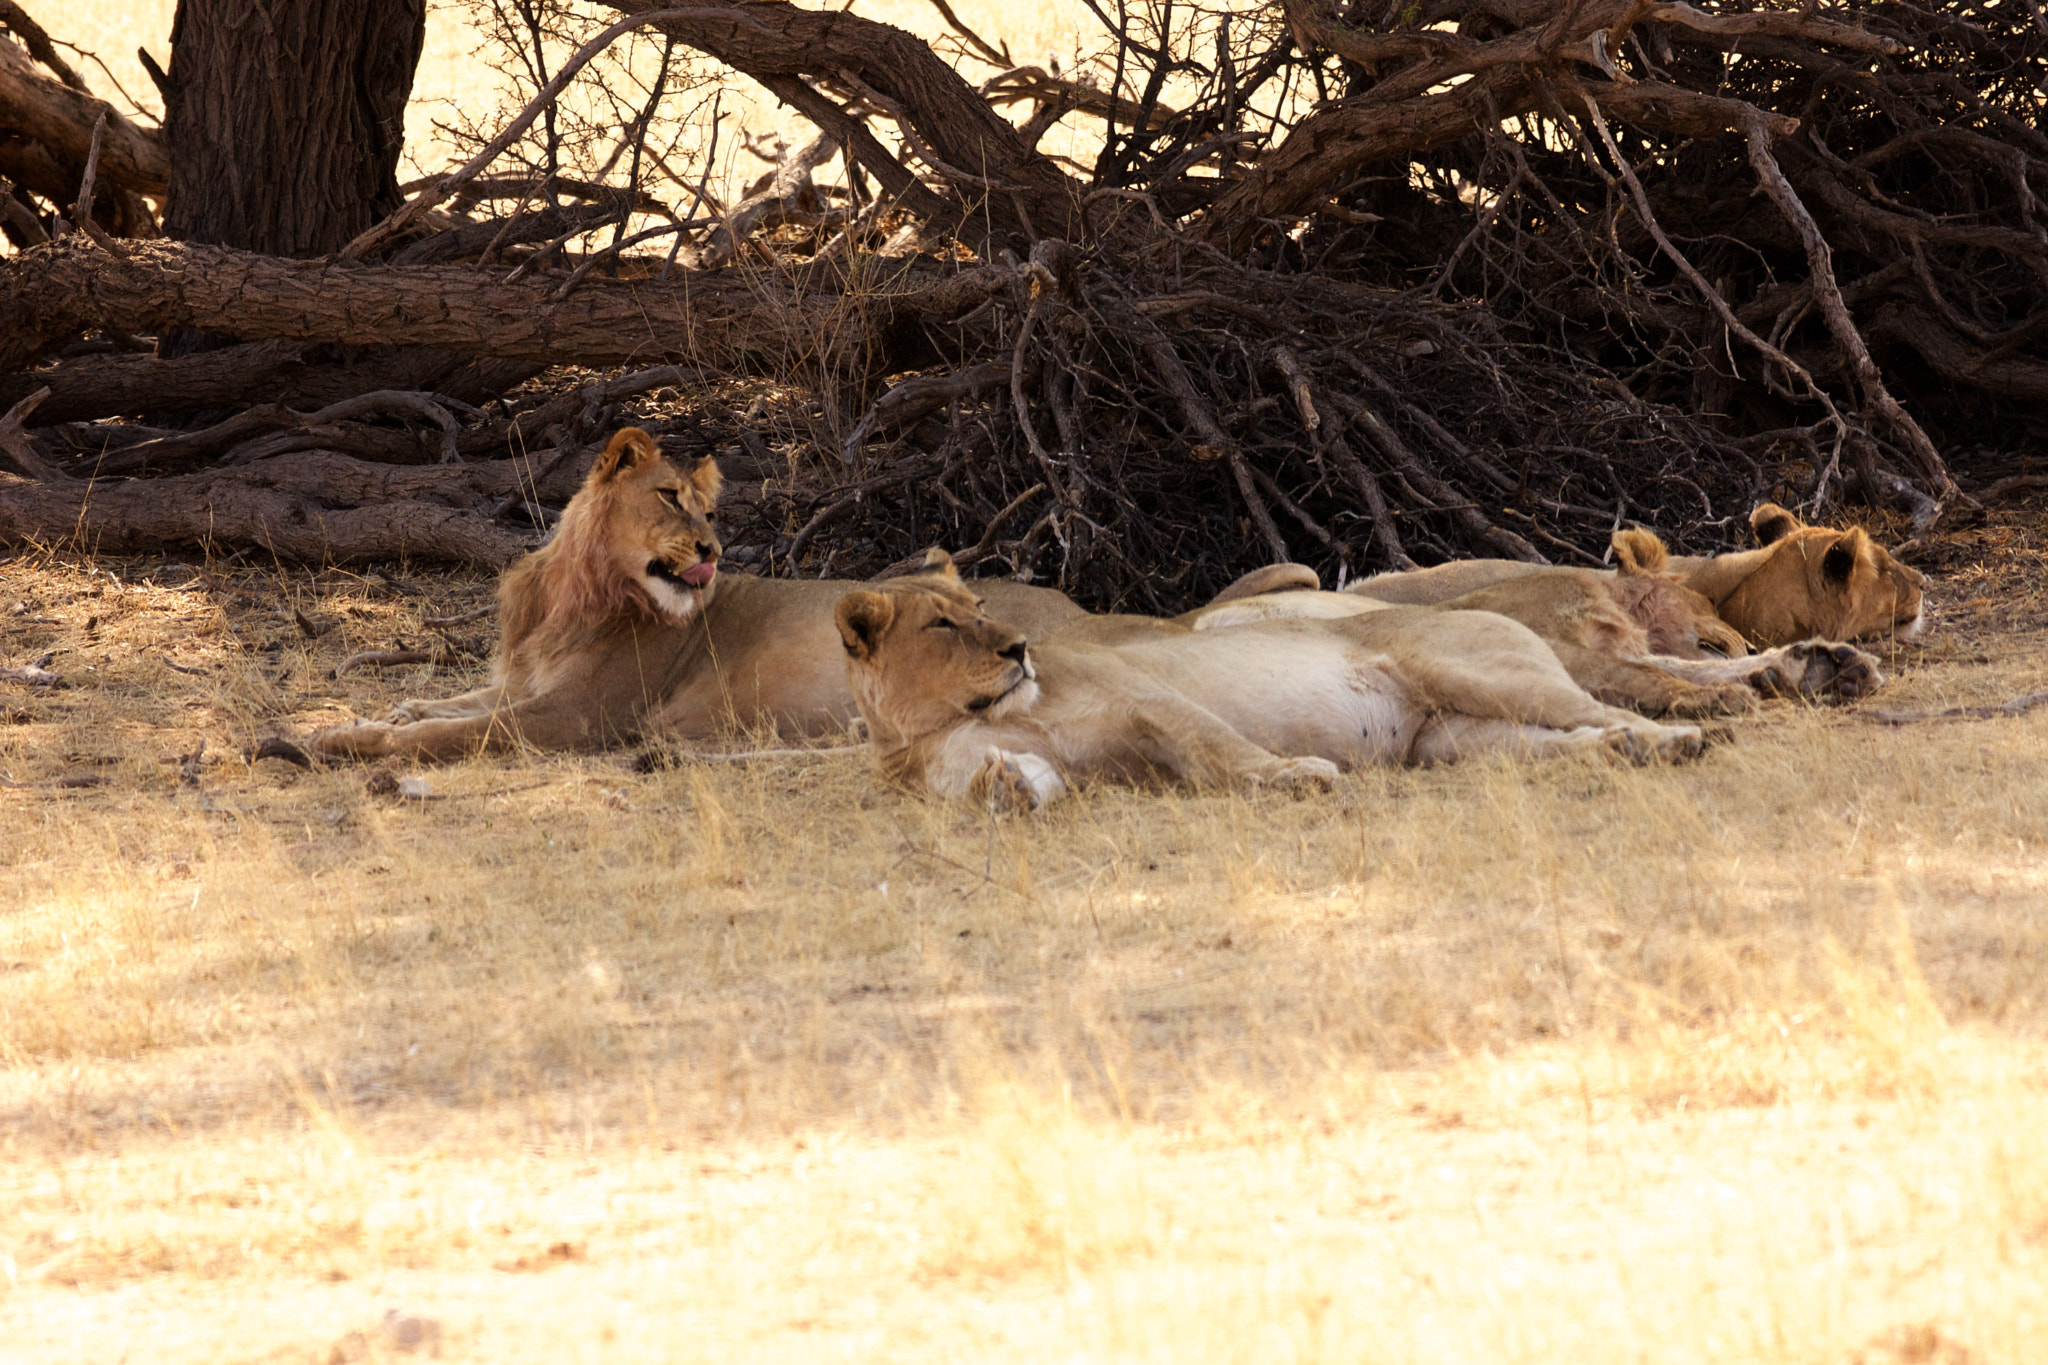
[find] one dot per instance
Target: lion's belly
(1294, 692)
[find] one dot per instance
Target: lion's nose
(1015, 653)
(707, 550)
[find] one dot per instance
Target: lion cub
(959, 703)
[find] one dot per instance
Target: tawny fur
(957, 702)
(1785, 591)
(591, 654)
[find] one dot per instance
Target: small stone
(410, 1333)
(414, 788)
(381, 783)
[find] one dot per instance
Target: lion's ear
(862, 617)
(1639, 553)
(630, 447)
(707, 480)
(1772, 523)
(1840, 560)
(939, 562)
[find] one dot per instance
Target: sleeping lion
(1800, 583)
(1637, 637)
(957, 702)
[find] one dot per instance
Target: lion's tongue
(697, 575)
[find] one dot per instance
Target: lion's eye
(672, 496)
(943, 624)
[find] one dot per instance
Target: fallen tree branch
(308, 507)
(61, 117)
(15, 441)
(917, 398)
(2018, 706)
(92, 387)
(60, 291)
(390, 658)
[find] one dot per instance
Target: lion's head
(1812, 581)
(637, 537)
(922, 655)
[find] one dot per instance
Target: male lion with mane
(957, 702)
(622, 624)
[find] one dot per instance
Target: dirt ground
(553, 1059)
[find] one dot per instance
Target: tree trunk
(283, 122)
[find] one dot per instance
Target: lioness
(1633, 638)
(1801, 583)
(622, 623)
(957, 702)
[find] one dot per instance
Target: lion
(1801, 583)
(1637, 638)
(624, 624)
(958, 702)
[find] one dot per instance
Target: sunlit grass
(1732, 1062)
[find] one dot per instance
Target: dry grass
(1736, 1062)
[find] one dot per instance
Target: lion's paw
(1301, 775)
(1017, 781)
(1856, 673)
(364, 739)
(1820, 670)
(1657, 743)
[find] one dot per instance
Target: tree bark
(724, 321)
(46, 129)
(284, 121)
(62, 119)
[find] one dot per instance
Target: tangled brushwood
(1361, 283)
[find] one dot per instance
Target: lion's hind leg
(1449, 738)
(1493, 685)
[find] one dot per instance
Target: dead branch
(15, 441)
(1840, 324)
(389, 658)
(2018, 706)
(309, 507)
(58, 291)
(61, 117)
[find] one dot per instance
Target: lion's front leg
(482, 701)
(969, 763)
(437, 740)
(1017, 781)
(1816, 669)
(549, 722)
